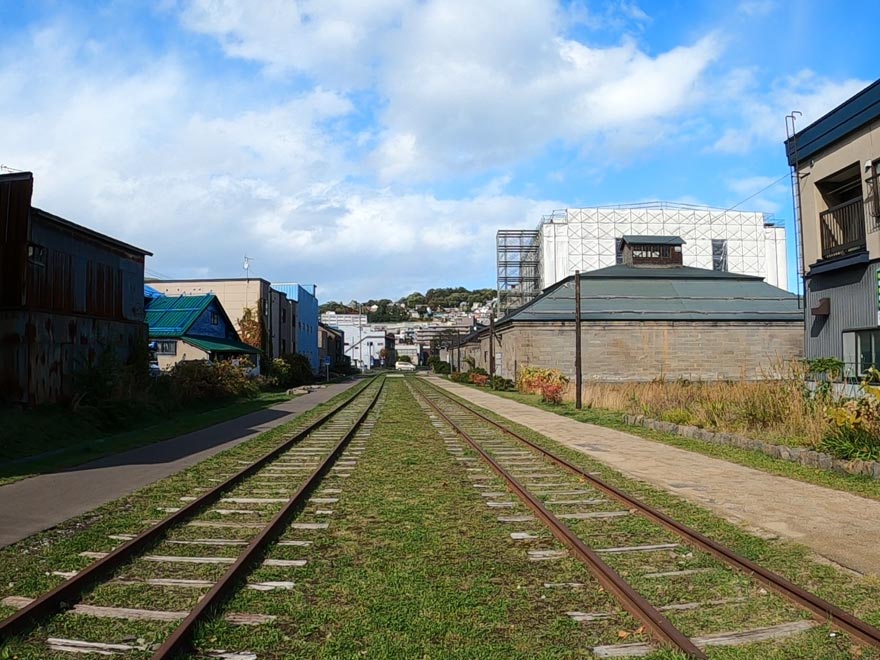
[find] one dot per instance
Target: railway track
(637, 553)
(210, 547)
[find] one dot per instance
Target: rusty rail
(71, 590)
(820, 609)
(179, 641)
(632, 601)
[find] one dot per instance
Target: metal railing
(843, 229)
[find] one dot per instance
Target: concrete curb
(800, 455)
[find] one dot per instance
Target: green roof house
(194, 328)
(650, 318)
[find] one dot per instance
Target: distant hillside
(388, 311)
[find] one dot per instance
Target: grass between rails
(858, 595)
(56, 438)
(858, 485)
(415, 565)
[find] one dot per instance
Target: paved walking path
(41, 502)
(839, 526)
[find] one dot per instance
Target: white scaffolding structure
(587, 239)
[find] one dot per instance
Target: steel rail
(820, 609)
(633, 602)
(181, 639)
(70, 591)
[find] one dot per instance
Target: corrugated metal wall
(15, 204)
(853, 295)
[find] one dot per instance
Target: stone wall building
(645, 321)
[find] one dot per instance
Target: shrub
(532, 380)
(676, 416)
(552, 393)
(194, 380)
(478, 379)
(459, 377)
(441, 367)
(855, 430)
(404, 358)
(502, 384)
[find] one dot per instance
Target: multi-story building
(275, 311)
(366, 345)
(529, 261)
(306, 326)
(67, 296)
(836, 160)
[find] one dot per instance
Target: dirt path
(841, 527)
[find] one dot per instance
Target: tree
(251, 328)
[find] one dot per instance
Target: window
(215, 318)
(167, 347)
(719, 255)
(283, 347)
(618, 257)
(36, 255)
(861, 351)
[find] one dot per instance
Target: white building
(589, 238)
(363, 342)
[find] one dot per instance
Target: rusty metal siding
(81, 276)
(15, 204)
(42, 352)
(853, 296)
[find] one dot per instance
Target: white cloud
(762, 112)
(466, 86)
(755, 8)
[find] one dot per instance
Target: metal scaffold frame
(518, 262)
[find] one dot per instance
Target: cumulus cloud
(761, 111)
(466, 86)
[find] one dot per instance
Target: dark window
(861, 352)
(283, 315)
(168, 347)
(719, 255)
(36, 255)
(655, 254)
(215, 318)
(618, 257)
(283, 347)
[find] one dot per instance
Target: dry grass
(778, 409)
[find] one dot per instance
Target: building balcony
(843, 229)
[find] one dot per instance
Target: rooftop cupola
(651, 251)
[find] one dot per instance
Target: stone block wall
(644, 351)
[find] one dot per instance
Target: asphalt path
(38, 503)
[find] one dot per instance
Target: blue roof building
(306, 328)
(193, 328)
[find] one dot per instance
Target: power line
(759, 192)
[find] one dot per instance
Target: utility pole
(578, 377)
(492, 349)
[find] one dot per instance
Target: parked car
(404, 366)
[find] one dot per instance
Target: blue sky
(375, 147)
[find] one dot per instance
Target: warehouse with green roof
(650, 318)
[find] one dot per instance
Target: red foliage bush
(552, 393)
